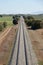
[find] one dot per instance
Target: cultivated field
(7, 19)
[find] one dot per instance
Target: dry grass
(36, 37)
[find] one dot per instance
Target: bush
(1, 26)
(36, 24)
(0, 15)
(15, 21)
(28, 20)
(16, 17)
(4, 24)
(24, 17)
(30, 17)
(41, 24)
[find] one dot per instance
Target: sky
(21, 6)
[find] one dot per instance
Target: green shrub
(4, 24)
(28, 20)
(24, 17)
(36, 24)
(15, 19)
(41, 24)
(30, 17)
(1, 27)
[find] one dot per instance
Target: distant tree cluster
(36, 24)
(30, 21)
(15, 19)
(0, 15)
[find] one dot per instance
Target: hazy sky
(21, 6)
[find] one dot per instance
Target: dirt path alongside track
(6, 43)
(36, 37)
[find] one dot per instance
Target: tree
(15, 21)
(36, 24)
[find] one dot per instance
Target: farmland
(7, 19)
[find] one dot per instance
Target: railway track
(23, 53)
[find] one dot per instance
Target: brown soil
(6, 44)
(4, 33)
(36, 37)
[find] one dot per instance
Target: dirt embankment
(6, 43)
(36, 37)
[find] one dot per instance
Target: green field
(7, 19)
